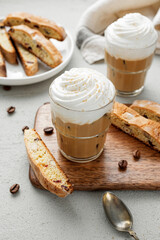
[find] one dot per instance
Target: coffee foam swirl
(82, 89)
(133, 31)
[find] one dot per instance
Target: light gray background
(35, 214)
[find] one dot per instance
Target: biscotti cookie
(44, 165)
(6, 46)
(147, 109)
(131, 122)
(36, 43)
(2, 66)
(29, 61)
(48, 28)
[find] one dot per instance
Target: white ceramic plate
(17, 76)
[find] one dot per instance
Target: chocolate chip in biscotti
(144, 115)
(48, 130)
(46, 31)
(36, 26)
(14, 188)
(136, 154)
(122, 164)
(150, 143)
(65, 187)
(57, 181)
(38, 46)
(37, 139)
(11, 109)
(25, 128)
(7, 88)
(26, 20)
(127, 124)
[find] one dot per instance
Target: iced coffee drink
(130, 46)
(81, 104)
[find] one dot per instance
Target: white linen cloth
(102, 13)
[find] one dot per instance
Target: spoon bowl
(118, 213)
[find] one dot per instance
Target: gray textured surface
(35, 214)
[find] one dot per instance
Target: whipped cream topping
(133, 32)
(83, 90)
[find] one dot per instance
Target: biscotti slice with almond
(131, 122)
(29, 61)
(6, 46)
(44, 165)
(47, 27)
(2, 66)
(37, 44)
(147, 109)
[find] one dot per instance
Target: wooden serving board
(104, 173)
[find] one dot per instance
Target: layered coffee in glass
(130, 43)
(81, 104)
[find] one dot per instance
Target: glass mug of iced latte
(81, 104)
(130, 45)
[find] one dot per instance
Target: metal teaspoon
(118, 214)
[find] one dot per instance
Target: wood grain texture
(103, 173)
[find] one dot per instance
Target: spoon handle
(133, 234)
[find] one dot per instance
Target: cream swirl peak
(81, 90)
(133, 31)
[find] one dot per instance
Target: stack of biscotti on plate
(44, 165)
(131, 122)
(30, 35)
(7, 51)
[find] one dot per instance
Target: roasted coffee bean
(48, 130)
(65, 187)
(123, 164)
(136, 154)
(7, 88)
(11, 109)
(14, 188)
(26, 20)
(25, 128)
